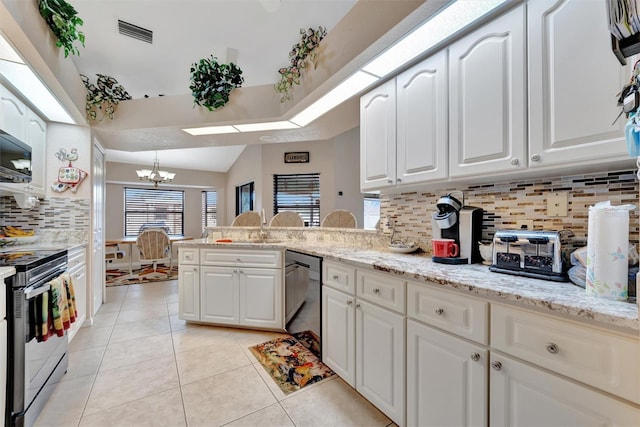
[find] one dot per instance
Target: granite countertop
(562, 298)
(6, 272)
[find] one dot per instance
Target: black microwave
(15, 159)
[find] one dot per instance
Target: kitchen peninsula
(422, 324)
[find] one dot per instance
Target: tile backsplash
(51, 213)
(505, 203)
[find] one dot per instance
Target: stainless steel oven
(34, 365)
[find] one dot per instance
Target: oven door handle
(32, 292)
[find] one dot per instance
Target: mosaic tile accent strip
(51, 213)
(505, 203)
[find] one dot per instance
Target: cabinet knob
(349, 302)
(515, 161)
(398, 179)
(552, 348)
(475, 357)
(240, 271)
(195, 269)
(496, 365)
(389, 181)
(376, 290)
(535, 158)
(238, 260)
(357, 305)
(439, 311)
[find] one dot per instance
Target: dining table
(131, 240)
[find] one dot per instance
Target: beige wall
(192, 182)
(337, 160)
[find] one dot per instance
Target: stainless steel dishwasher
(302, 292)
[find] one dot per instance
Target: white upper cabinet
(422, 130)
(37, 138)
(13, 115)
(378, 137)
(487, 113)
(573, 82)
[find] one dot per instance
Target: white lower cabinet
(447, 379)
(236, 294)
(338, 333)
(524, 395)
(380, 358)
(363, 342)
(189, 292)
(77, 268)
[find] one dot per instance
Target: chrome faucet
(263, 222)
(391, 224)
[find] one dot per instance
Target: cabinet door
(422, 131)
(261, 297)
(378, 137)
(219, 295)
(487, 98)
(447, 379)
(13, 115)
(37, 138)
(525, 396)
(338, 334)
(3, 360)
(380, 358)
(79, 280)
(573, 79)
(189, 292)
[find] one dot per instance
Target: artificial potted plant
(301, 53)
(63, 21)
(103, 96)
(212, 82)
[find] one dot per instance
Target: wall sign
(296, 157)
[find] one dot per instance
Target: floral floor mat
(145, 274)
(293, 361)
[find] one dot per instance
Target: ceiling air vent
(130, 30)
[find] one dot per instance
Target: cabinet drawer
(241, 257)
(604, 360)
(458, 314)
(189, 256)
(381, 289)
(339, 276)
(76, 258)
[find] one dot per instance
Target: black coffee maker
(454, 220)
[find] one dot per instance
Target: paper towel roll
(607, 251)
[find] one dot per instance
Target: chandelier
(155, 175)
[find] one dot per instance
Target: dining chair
(247, 219)
(286, 219)
(154, 245)
(339, 218)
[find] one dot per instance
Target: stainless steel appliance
(303, 296)
(454, 220)
(15, 159)
(532, 253)
(33, 366)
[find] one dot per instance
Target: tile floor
(139, 365)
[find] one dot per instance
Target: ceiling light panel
(255, 127)
(211, 130)
(345, 90)
(449, 21)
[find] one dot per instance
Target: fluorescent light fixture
(449, 21)
(345, 90)
(254, 127)
(21, 77)
(211, 130)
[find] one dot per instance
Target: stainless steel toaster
(534, 253)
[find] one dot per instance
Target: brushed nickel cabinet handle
(496, 365)
(475, 357)
(552, 348)
(376, 290)
(439, 311)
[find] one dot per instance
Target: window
(245, 195)
(299, 193)
(371, 210)
(209, 210)
(164, 208)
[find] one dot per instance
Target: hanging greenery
(63, 20)
(212, 82)
(300, 53)
(103, 97)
